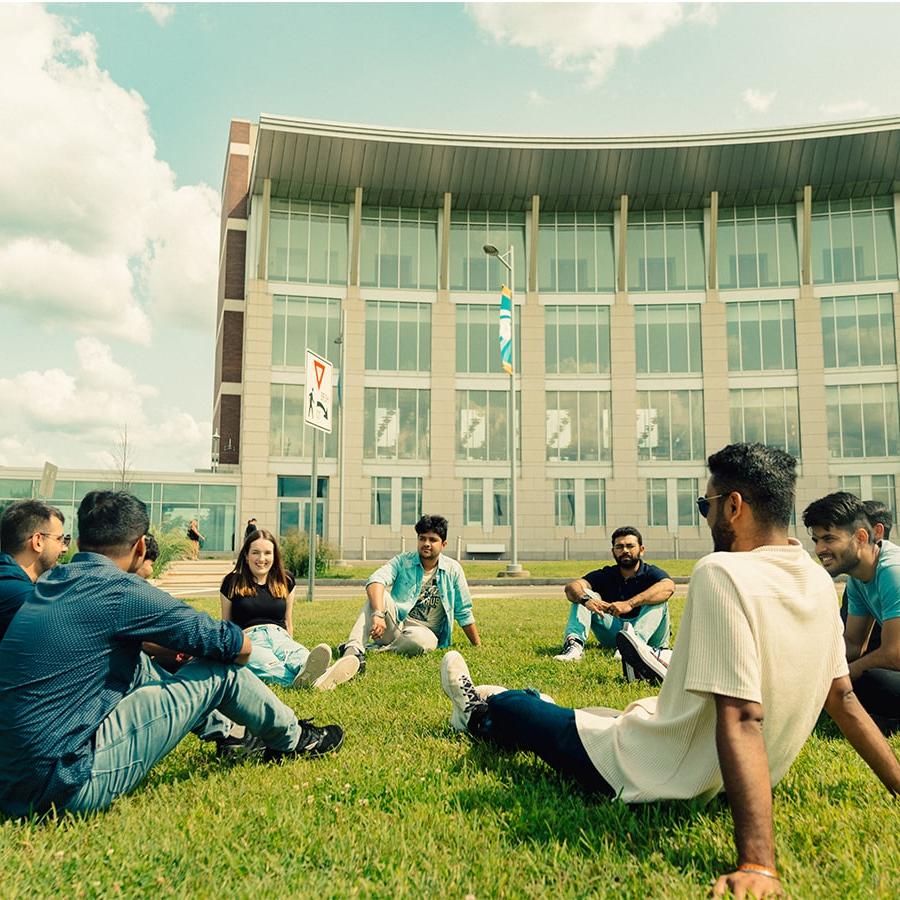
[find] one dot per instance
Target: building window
(482, 418)
(578, 427)
(594, 502)
(657, 502)
(686, 492)
(679, 494)
(853, 240)
(398, 248)
(575, 253)
(757, 247)
(289, 435)
(579, 502)
(301, 322)
(381, 501)
(500, 501)
(307, 242)
(396, 423)
(665, 251)
(767, 415)
(395, 500)
(871, 487)
(858, 331)
(471, 269)
(667, 338)
(410, 500)
(761, 336)
(862, 420)
(398, 336)
(473, 501)
(294, 504)
(670, 425)
(497, 512)
(564, 492)
(576, 340)
(478, 337)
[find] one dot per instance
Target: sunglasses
(703, 503)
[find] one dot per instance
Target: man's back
(761, 626)
(15, 588)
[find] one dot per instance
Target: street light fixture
(214, 454)
(339, 341)
(508, 261)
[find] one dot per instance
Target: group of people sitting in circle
(102, 673)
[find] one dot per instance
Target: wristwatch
(378, 612)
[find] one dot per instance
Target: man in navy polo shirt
(630, 593)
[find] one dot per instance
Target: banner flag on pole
(506, 329)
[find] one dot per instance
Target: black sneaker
(235, 749)
(314, 741)
(344, 650)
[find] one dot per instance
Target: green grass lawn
(410, 809)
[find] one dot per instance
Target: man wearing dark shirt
(78, 728)
(628, 593)
(32, 541)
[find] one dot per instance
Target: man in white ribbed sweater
(759, 652)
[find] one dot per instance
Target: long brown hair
(244, 584)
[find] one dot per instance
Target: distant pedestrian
(194, 536)
(251, 527)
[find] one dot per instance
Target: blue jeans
(651, 624)
(276, 656)
(157, 713)
(520, 720)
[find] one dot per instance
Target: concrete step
(207, 573)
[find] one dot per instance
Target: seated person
(83, 714)
(258, 595)
(428, 591)
(630, 592)
(845, 544)
(759, 652)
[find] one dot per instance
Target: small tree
(122, 460)
(295, 554)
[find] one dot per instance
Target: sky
(113, 133)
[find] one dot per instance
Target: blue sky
(119, 112)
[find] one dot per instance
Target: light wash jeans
(408, 638)
(651, 624)
(276, 656)
(162, 708)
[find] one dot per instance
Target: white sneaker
(572, 650)
(647, 663)
(317, 663)
(458, 687)
(343, 670)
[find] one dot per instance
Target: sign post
(317, 414)
(48, 481)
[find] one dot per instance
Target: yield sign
(317, 399)
(319, 372)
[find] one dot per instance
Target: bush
(173, 545)
(295, 554)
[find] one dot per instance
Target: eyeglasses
(703, 503)
(64, 539)
(621, 547)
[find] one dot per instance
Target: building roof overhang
(326, 161)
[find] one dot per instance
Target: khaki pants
(407, 638)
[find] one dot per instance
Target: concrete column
(805, 237)
(622, 269)
(356, 485)
(444, 250)
(355, 235)
(712, 242)
(716, 401)
(262, 267)
(442, 493)
(533, 237)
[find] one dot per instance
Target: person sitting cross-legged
(83, 715)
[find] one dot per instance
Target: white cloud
(849, 109)
(161, 12)
(93, 230)
(584, 37)
(75, 418)
(758, 101)
(536, 98)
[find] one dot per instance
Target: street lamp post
(214, 453)
(339, 340)
(508, 260)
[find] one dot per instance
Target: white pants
(408, 638)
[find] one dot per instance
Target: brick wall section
(240, 133)
(234, 203)
(229, 429)
(232, 345)
(235, 251)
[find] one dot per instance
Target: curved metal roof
(326, 161)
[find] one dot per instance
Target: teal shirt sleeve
(856, 600)
(462, 600)
(888, 583)
(386, 574)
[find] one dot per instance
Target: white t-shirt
(428, 610)
(762, 626)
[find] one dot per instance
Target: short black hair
(624, 531)
(21, 520)
(152, 554)
(841, 510)
(879, 514)
(111, 521)
(437, 524)
(764, 476)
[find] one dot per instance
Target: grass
(571, 568)
(410, 809)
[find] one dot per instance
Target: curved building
(672, 294)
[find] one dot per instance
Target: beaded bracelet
(759, 870)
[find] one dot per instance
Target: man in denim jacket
(414, 599)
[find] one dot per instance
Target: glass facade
(576, 340)
(862, 420)
(670, 425)
(398, 248)
(576, 253)
(301, 322)
(657, 502)
(482, 418)
(578, 426)
(858, 331)
(761, 336)
(381, 501)
(767, 415)
(473, 501)
(294, 504)
(667, 338)
(398, 336)
(876, 487)
(289, 435)
(471, 269)
(665, 251)
(308, 242)
(757, 247)
(564, 492)
(478, 338)
(397, 423)
(853, 240)
(687, 490)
